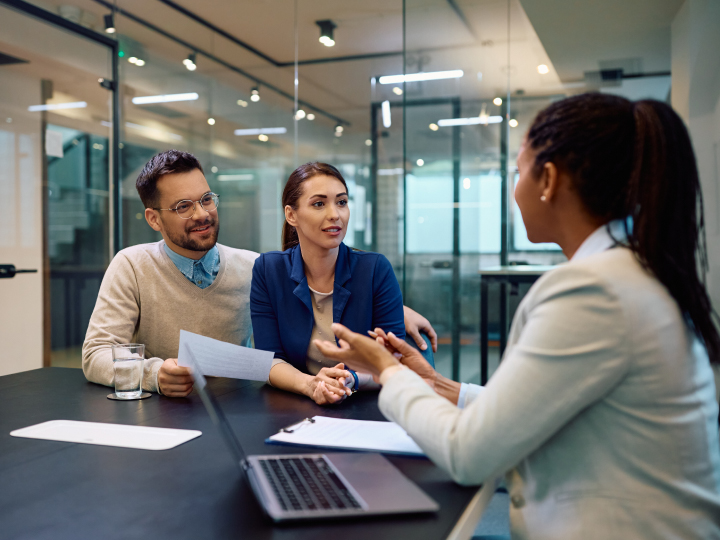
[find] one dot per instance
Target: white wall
(696, 97)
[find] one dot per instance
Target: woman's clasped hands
(328, 386)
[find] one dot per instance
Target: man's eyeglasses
(186, 209)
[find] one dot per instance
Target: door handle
(9, 270)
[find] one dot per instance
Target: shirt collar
(186, 265)
(605, 237)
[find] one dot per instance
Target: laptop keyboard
(307, 484)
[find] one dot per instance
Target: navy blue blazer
(366, 295)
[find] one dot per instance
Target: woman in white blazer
(602, 413)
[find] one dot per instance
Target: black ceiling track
(220, 61)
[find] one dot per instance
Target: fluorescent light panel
(57, 106)
(232, 177)
(390, 172)
(167, 98)
(387, 119)
(261, 131)
(448, 122)
(415, 77)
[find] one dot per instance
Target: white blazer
(602, 412)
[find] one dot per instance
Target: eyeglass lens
(186, 209)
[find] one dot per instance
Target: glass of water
(128, 360)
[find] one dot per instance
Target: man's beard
(185, 242)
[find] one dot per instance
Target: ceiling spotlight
(310, 117)
(242, 102)
(397, 91)
(214, 169)
(327, 28)
(497, 101)
(386, 118)
(262, 137)
(543, 69)
(191, 61)
(211, 121)
(133, 59)
(513, 122)
(339, 129)
(368, 142)
(109, 23)
(140, 62)
(420, 162)
(300, 114)
(433, 127)
(466, 183)
(255, 94)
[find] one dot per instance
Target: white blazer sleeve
(571, 351)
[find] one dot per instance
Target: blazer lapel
(342, 275)
(297, 274)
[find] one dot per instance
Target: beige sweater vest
(144, 298)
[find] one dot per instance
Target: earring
(543, 198)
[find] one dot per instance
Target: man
(187, 281)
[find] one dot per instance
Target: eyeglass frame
(217, 204)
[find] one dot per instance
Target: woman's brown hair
(634, 161)
(293, 190)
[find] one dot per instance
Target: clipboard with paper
(346, 434)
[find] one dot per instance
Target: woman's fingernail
(423, 346)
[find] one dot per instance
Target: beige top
(322, 304)
(144, 298)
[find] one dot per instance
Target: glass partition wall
(422, 104)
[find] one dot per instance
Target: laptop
(313, 486)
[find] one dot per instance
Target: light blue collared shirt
(201, 272)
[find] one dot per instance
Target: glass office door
(55, 148)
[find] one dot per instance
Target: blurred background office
(421, 104)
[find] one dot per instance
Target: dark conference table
(56, 490)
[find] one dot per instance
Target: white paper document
(124, 436)
(220, 359)
(386, 437)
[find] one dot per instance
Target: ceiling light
(484, 115)
(211, 121)
(449, 122)
(338, 133)
(387, 120)
(368, 142)
(415, 77)
(191, 61)
(397, 91)
(543, 69)
(132, 59)
(339, 129)
(327, 28)
(513, 122)
(420, 162)
(242, 102)
(433, 127)
(214, 169)
(390, 172)
(235, 177)
(466, 183)
(262, 137)
(140, 62)
(261, 131)
(310, 117)
(300, 114)
(497, 101)
(109, 23)
(255, 94)
(57, 106)
(167, 98)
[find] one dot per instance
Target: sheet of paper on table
(348, 434)
(219, 359)
(124, 436)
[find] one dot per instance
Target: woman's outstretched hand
(359, 352)
(408, 355)
(328, 386)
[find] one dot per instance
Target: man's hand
(173, 380)
(359, 352)
(328, 386)
(416, 323)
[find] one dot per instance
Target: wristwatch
(356, 384)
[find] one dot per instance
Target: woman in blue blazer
(316, 280)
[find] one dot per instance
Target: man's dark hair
(168, 162)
